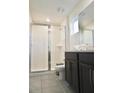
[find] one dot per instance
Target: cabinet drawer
(86, 57)
(71, 55)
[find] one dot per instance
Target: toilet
(60, 71)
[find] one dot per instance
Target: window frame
(74, 25)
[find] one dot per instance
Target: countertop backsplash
(83, 47)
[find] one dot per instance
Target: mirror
(82, 30)
(86, 26)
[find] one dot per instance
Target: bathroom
(61, 46)
(58, 31)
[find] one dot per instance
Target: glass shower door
(39, 48)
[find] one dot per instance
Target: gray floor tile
(47, 82)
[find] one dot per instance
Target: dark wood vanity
(79, 71)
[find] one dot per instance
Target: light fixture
(48, 20)
(60, 10)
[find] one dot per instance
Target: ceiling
(40, 10)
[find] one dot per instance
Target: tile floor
(47, 82)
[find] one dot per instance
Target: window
(74, 26)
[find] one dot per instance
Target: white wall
(30, 19)
(57, 45)
(66, 33)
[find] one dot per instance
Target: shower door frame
(30, 47)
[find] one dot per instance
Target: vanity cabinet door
(68, 71)
(74, 76)
(71, 72)
(86, 78)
